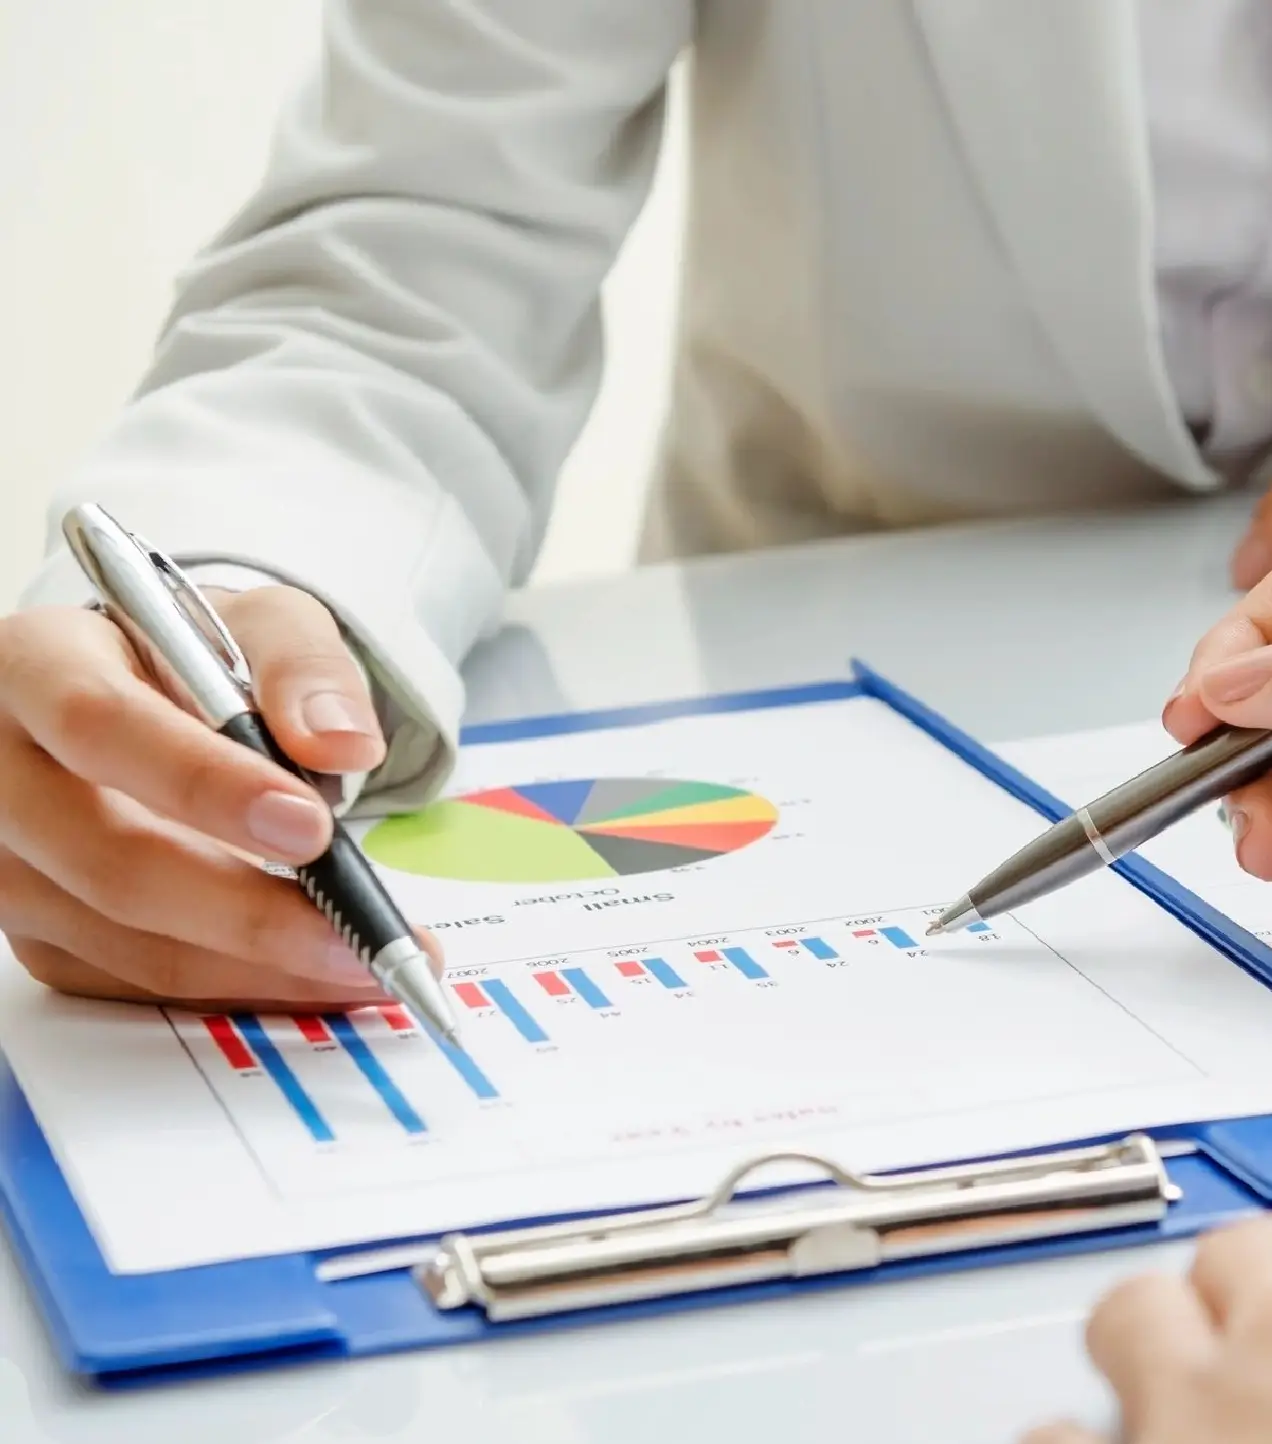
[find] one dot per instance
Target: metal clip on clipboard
(861, 1222)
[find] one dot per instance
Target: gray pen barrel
(1124, 819)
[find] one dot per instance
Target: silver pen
(1117, 823)
(192, 656)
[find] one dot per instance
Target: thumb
(1238, 690)
(307, 685)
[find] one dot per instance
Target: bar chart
(378, 1080)
(274, 1050)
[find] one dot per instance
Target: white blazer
(919, 286)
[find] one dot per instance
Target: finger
(67, 841)
(230, 987)
(1231, 669)
(1064, 1433)
(223, 985)
(1238, 689)
(1232, 1275)
(66, 681)
(1142, 1334)
(433, 948)
(306, 682)
(32, 905)
(1188, 713)
(1249, 815)
(1252, 560)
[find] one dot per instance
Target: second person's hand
(1230, 680)
(1188, 1358)
(123, 820)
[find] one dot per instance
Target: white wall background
(128, 132)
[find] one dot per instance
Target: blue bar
(665, 973)
(744, 963)
(585, 988)
(898, 937)
(503, 999)
(820, 949)
(288, 1084)
(373, 1071)
(464, 1066)
(979, 928)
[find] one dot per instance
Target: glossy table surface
(1013, 630)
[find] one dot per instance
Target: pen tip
(934, 928)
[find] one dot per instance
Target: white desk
(1013, 630)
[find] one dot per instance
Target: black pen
(193, 657)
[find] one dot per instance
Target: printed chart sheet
(672, 947)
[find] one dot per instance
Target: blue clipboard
(128, 1330)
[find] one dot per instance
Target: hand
(1230, 680)
(123, 820)
(1252, 560)
(1190, 1359)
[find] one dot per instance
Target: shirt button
(1258, 381)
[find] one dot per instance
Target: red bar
(708, 957)
(471, 995)
(631, 970)
(864, 933)
(398, 1019)
(313, 1030)
(225, 1036)
(553, 984)
(785, 943)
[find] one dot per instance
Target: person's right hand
(116, 809)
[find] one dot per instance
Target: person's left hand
(1252, 560)
(1189, 1359)
(1230, 680)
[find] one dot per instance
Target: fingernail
(334, 712)
(1252, 561)
(288, 826)
(1234, 818)
(1174, 697)
(1238, 822)
(1239, 677)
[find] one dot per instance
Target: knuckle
(199, 782)
(24, 895)
(83, 714)
(167, 972)
(13, 873)
(110, 881)
(262, 929)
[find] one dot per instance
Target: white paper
(1088, 1013)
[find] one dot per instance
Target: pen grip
(1222, 761)
(341, 883)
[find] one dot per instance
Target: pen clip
(198, 611)
(175, 632)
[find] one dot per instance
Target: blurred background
(129, 132)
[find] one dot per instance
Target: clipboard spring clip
(857, 1223)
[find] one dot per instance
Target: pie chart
(572, 831)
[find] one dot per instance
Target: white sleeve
(370, 380)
